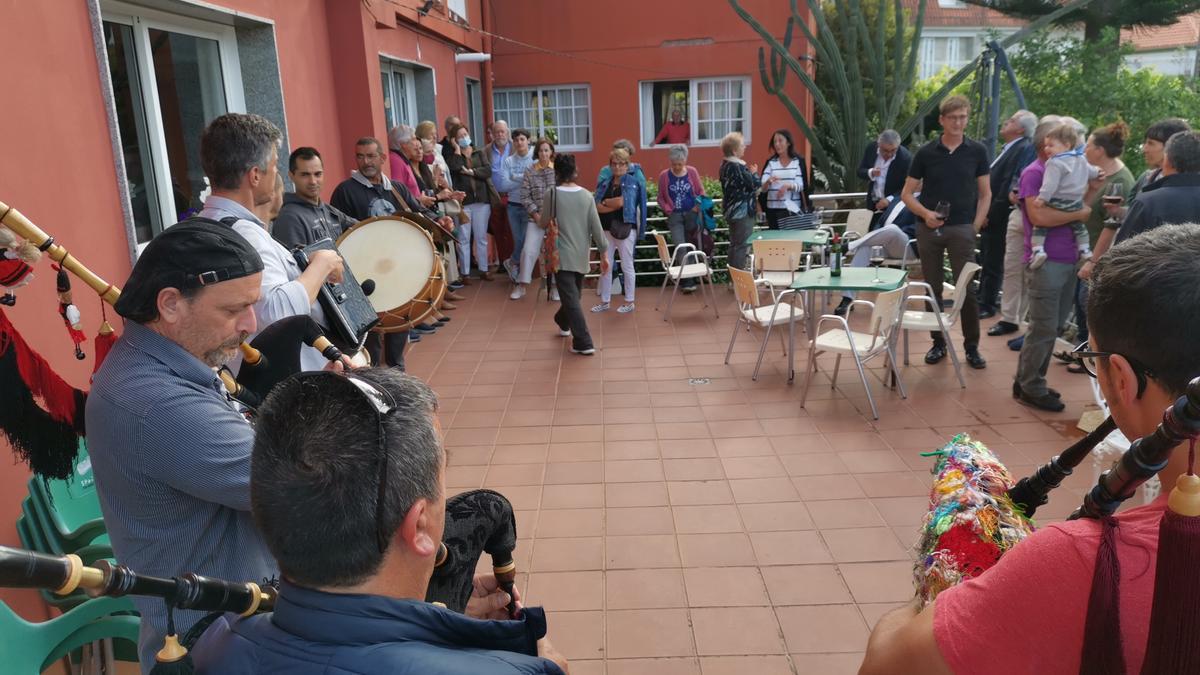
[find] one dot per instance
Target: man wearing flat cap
(170, 452)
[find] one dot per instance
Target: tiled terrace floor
(717, 528)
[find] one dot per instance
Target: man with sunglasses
(1143, 321)
(356, 555)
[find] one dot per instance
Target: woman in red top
(676, 131)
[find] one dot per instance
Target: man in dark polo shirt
(951, 169)
(304, 218)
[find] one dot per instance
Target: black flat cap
(189, 255)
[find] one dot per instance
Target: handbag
(798, 221)
(620, 229)
(549, 254)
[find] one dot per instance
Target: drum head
(398, 255)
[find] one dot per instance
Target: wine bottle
(835, 261)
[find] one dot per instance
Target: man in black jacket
(304, 218)
(1173, 199)
(884, 166)
(1017, 153)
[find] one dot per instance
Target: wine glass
(876, 261)
(943, 213)
(1114, 195)
(818, 216)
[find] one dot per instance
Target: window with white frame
(561, 113)
(945, 51)
(709, 107)
(399, 94)
(951, 4)
(170, 76)
(459, 7)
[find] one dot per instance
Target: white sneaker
(564, 333)
(554, 295)
(1037, 259)
(602, 307)
(518, 292)
(586, 352)
(625, 308)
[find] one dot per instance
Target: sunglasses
(1087, 359)
(383, 404)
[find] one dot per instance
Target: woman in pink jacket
(679, 191)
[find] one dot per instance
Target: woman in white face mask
(471, 172)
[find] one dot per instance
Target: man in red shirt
(1027, 614)
(674, 132)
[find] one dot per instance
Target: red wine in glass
(943, 213)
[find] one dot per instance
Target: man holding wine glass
(951, 175)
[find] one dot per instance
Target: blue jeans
(518, 217)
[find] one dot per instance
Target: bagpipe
(477, 522)
(978, 512)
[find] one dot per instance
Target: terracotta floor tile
(706, 519)
(716, 550)
(816, 488)
(816, 464)
(465, 476)
(826, 664)
(736, 429)
(576, 452)
(533, 453)
(799, 445)
(577, 433)
(633, 471)
(578, 635)
(563, 591)
(805, 585)
(514, 474)
(555, 523)
(865, 544)
(736, 630)
(572, 496)
(639, 520)
(578, 416)
(902, 511)
(685, 493)
(526, 418)
(620, 495)
(471, 436)
(482, 419)
(523, 435)
(789, 548)
(688, 448)
(645, 589)
(872, 461)
(898, 484)
(743, 447)
(565, 473)
(648, 632)
(629, 432)
(822, 628)
(878, 581)
(693, 469)
(640, 551)
(835, 513)
(743, 665)
(628, 415)
(734, 411)
(588, 667)
(668, 666)
(620, 450)
(767, 466)
(468, 455)
(568, 554)
(523, 497)
(776, 517)
(724, 587)
(679, 414)
(758, 490)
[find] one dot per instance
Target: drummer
(239, 154)
(1030, 612)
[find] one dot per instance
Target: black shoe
(1017, 391)
(841, 309)
(1016, 343)
(987, 312)
(936, 353)
(413, 338)
(975, 360)
(455, 285)
(1002, 328)
(422, 329)
(1044, 402)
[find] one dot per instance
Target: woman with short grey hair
(679, 192)
(739, 192)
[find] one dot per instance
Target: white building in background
(1171, 50)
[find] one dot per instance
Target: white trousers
(530, 252)
(477, 230)
(1014, 300)
(629, 283)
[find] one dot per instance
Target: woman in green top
(1104, 149)
(574, 209)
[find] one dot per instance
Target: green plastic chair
(32, 539)
(49, 540)
(70, 508)
(29, 648)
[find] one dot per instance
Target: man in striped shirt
(170, 452)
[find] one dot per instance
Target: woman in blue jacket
(621, 202)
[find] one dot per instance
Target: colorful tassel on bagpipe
(971, 521)
(47, 438)
(68, 311)
(106, 337)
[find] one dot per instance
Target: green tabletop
(806, 237)
(852, 279)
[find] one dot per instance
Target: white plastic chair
(752, 312)
(859, 220)
(777, 261)
(937, 320)
(698, 268)
(884, 323)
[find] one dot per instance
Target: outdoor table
(806, 237)
(818, 280)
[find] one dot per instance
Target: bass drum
(399, 256)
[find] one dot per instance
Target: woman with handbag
(679, 190)
(739, 188)
(620, 218)
(538, 180)
(471, 172)
(570, 217)
(785, 181)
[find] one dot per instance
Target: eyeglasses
(1087, 359)
(383, 404)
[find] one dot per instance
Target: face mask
(428, 159)
(464, 141)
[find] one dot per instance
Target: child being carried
(1065, 182)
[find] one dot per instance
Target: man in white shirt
(239, 154)
(884, 166)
